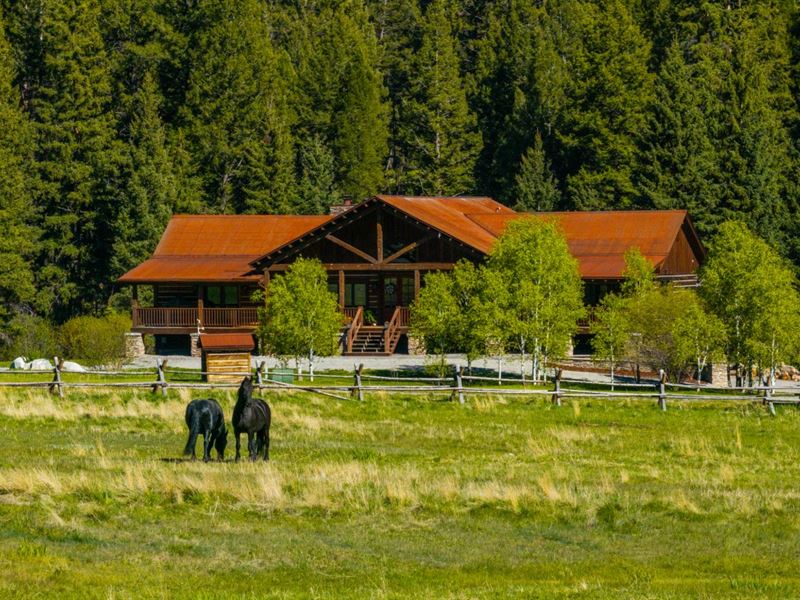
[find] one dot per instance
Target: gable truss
(327, 231)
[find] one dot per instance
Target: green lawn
(400, 497)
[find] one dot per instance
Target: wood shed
(226, 353)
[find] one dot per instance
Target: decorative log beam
(359, 211)
(432, 266)
(407, 249)
(350, 248)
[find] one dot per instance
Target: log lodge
(206, 267)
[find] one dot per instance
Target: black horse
(205, 416)
(251, 416)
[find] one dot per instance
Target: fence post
(56, 385)
(161, 381)
(459, 385)
(768, 401)
(557, 391)
(357, 391)
(260, 375)
(662, 393)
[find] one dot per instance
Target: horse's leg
(238, 444)
(189, 450)
(251, 445)
(208, 438)
(194, 427)
(263, 443)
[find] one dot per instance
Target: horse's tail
(193, 421)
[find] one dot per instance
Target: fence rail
(459, 386)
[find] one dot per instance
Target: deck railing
(395, 328)
(355, 324)
(230, 317)
(180, 317)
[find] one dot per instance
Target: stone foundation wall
(134, 345)
(719, 375)
(194, 344)
(416, 347)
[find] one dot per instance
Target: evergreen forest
(115, 114)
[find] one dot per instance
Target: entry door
(398, 290)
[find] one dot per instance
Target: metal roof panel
(227, 341)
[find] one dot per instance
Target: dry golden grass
(430, 483)
(561, 454)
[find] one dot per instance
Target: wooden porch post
(379, 252)
(416, 284)
(200, 304)
(341, 290)
(265, 283)
(135, 305)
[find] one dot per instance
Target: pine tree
(150, 190)
(141, 42)
(592, 92)
(316, 190)
(78, 158)
(397, 25)
(536, 186)
(340, 93)
(19, 240)
(441, 133)
(680, 167)
(502, 99)
(236, 115)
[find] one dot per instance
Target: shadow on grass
(170, 459)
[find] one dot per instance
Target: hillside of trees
(117, 113)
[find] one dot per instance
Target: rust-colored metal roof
(452, 215)
(163, 269)
(218, 247)
(227, 341)
(600, 239)
(221, 248)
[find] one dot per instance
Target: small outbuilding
(226, 356)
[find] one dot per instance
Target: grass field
(399, 497)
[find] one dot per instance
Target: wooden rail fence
(458, 386)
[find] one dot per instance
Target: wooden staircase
(375, 340)
(368, 340)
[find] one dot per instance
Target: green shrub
(30, 336)
(95, 339)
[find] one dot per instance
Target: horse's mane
(245, 393)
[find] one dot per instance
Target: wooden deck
(188, 320)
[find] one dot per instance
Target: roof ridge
(605, 212)
(248, 216)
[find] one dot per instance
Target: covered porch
(376, 305)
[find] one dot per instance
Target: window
(222, 295)
(355, 294)
(408, 291)
(231, 295)
(214, 295)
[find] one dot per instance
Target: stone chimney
(337, 209)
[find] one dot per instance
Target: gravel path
(399, 362)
